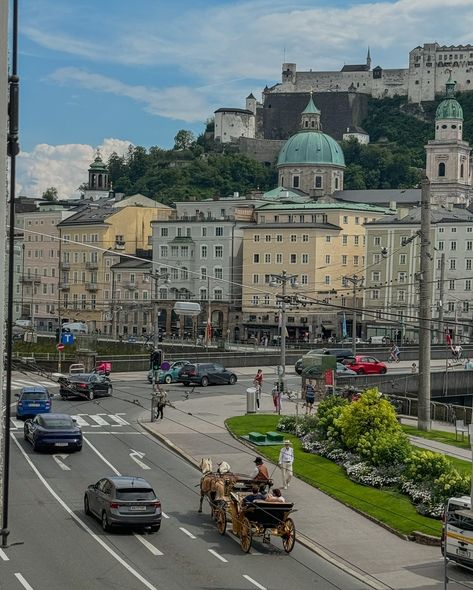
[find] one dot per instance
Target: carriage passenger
(275, 496)
(255, 495)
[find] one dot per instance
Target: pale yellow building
(85, 278)
(321, 242)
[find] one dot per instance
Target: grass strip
(440, 436)
(387, 506)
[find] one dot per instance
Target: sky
(106, 74)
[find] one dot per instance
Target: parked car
(125, 501)
(206, 374)
(365, 365)
(344, 371)
(341, 354)
(32, 401)
(56, 431)
(171, 375)
(88, 385)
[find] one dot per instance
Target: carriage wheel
(245, 535)
(289, 536)
(221, 518)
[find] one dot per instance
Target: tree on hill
(184, 140)
(50, 194)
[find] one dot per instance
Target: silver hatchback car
(123, 501)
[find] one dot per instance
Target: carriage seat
(267, 514)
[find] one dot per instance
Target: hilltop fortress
(343, 95)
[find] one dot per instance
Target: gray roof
(89, 215)
(438, 215)
(232, 110)
(356, 68)
(132, 264)
(382, 197)
(356, 129)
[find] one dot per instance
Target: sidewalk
(337, 533)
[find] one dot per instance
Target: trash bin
(251, 400)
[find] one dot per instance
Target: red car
(365, 365)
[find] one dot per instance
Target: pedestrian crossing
(19, 383)
(87, 421)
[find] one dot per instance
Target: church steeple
(98, 174)
(368, 59)
(310, 117)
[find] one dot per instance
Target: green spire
(449, 108)
(450, 93)
(311, 109)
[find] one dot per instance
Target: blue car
(53, 431)
(32, 401)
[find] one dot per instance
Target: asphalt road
(54, 546)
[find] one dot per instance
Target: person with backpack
(309, 397)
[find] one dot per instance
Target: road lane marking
(97, 452)
(148, 545)
(3, 555)
(17, 424)
(99, 421)
(187, 532)
(80, 421)
(114, 433)
(62, 465)
(23, 582)
(119, 421)
(136, 456)
(218, 556)
(82, 524)
(164, 515)
(254, 582)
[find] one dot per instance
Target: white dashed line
(148, 545)
(165, 515)
(115, 471)
(254, 582)
(23, 582)
(218, 556)
(3, 555)
(187, 532)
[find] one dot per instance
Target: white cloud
(62, 166)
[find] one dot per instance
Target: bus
(457, 534)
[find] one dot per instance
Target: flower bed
(365, 438)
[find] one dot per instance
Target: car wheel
(110, 390)
(204, 381)
(185, 383)
(233, 379)
(91, 394)
(86, 506)
(105, 523)
(168, 379)
(155, 528)
(361, 372)
(383, 370)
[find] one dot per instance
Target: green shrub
(328, 411)
(451, 483)
(426, 466)
(391, 450)
(364, 421)
(287, 424)
(306, 424)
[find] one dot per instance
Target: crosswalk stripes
(19, 383)
(87, 421)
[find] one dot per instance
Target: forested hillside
(197, 168)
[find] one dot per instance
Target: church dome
(449, 108)
(311, 147)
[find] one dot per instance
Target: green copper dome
(311, 147)
(449, 108)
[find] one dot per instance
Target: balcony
(92, 286)
(65, 265)
(64, 286)
(30, 280)
(92, 265)
(130, 285)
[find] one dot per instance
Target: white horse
(212, 484)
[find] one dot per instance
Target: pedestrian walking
(286, 460)
(309, 396)
(276, 393)
(161, 401)
(394, 353)
(258, 383)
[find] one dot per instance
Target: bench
(460, 428)
(257, 437)
(274, 436)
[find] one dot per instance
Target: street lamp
(276, 281)
(157, 276)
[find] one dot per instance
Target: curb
(301, 538)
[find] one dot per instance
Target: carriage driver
(260, 472)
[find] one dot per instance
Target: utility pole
(156, 276)
(4, 409)
(442, 295)
(355, 280)
(276, 281)
(208, 328)
(425, 317)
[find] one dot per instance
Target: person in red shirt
(258, 383)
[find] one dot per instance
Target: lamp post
(157, 276)
(355, 280)
(276, 281)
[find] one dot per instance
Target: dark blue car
(53, 431)
(32, 401)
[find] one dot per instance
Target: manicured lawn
(447, 438)
(387, 506)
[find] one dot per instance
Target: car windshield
(34, 395)
(56, 422)
(133, 494)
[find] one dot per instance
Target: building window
(185, 251)
(451, 285)
(218, 251)
(402, 277)
(267, 258)
(203, 273)
(218, 232)
(451, 306)
(255, 279)
(344, 240)
(327, 279)
(328, 239)
(304, 279)
(293, 258)
(440, 245)
(375, 294)
(295, 181)
(356, 260)
(293, 238)
(255, 299)
(203, 293)
(218, 294)
(376, 258)
(401, 295)
(256, 238)
(442, 169)
(344, 259)
(266, 300)
(337, 183)
(357, 220)
(466, 306)
(278, 258)
(375, 276)
(279, 238)
(318, 182)
(469, 245)
(468, 285)
(305, 238)
(453, 264)
(356, 240)
(256, 258)
(204, 232)
(327, 259)
(453, 245)
(377, 241)
(402, 259)
(345, 219)
(468, 263)
(305, 259)
(203, 251)
(164, 232)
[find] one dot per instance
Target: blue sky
(109, 73)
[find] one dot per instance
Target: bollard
(251, 400)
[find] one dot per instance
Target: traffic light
(156, 360)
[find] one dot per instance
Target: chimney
(392, 205)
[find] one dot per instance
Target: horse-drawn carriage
(258, 518)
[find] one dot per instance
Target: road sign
(67, 338)
(60, 346)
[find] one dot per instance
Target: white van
(76, 328)
(457, 534)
